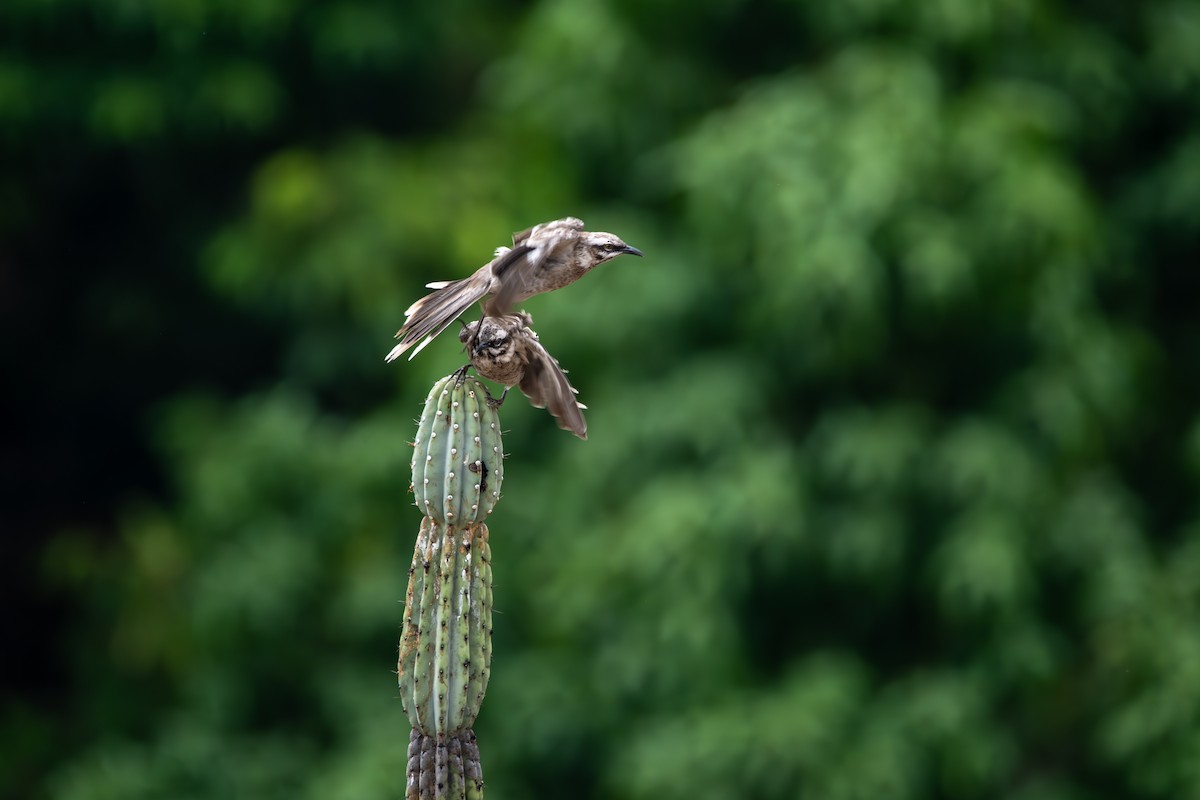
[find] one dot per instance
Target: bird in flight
(543, 258)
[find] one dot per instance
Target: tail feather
(430, 315)
(434, 312)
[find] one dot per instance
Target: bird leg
(493, 402)
(460, 375)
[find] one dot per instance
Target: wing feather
(544, 244)
(546, 386)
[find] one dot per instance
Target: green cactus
(445, 647)
(458, 458)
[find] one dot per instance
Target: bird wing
(542, 244)
(567, 223)
(520, 236)
(546, 386)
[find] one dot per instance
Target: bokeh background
(891, 489)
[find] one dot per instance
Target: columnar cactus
(446, 645)
(458, 461)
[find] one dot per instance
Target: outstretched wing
(546, 386)
(543, 244)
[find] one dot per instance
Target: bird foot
(493, 402)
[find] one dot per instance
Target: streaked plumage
(506, 350)
(543, 258)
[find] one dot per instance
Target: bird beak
(633, 251)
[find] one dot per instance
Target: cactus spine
(446, 643)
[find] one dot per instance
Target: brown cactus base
(448, 770)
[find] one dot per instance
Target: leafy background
(892, 477)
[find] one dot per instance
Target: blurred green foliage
(890, 490)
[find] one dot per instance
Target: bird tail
(430, 315)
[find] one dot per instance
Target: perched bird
(506, 350)
(545, 257)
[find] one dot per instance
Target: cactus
(448, 770)
(445, 649)
(446, 644)
(457, 465)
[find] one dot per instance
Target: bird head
(603, 246)
(492, 337)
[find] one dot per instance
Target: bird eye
(610, 246)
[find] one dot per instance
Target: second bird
(543, 258)
(506, 350)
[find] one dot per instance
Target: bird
(506, 350)
(543, 258)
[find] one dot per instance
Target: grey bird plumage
(544, 258)
(507, 350)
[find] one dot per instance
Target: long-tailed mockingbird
(543, 258)
(506, 350)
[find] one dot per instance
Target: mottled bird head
(602, 246)
(492, 338)
(495, 334)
